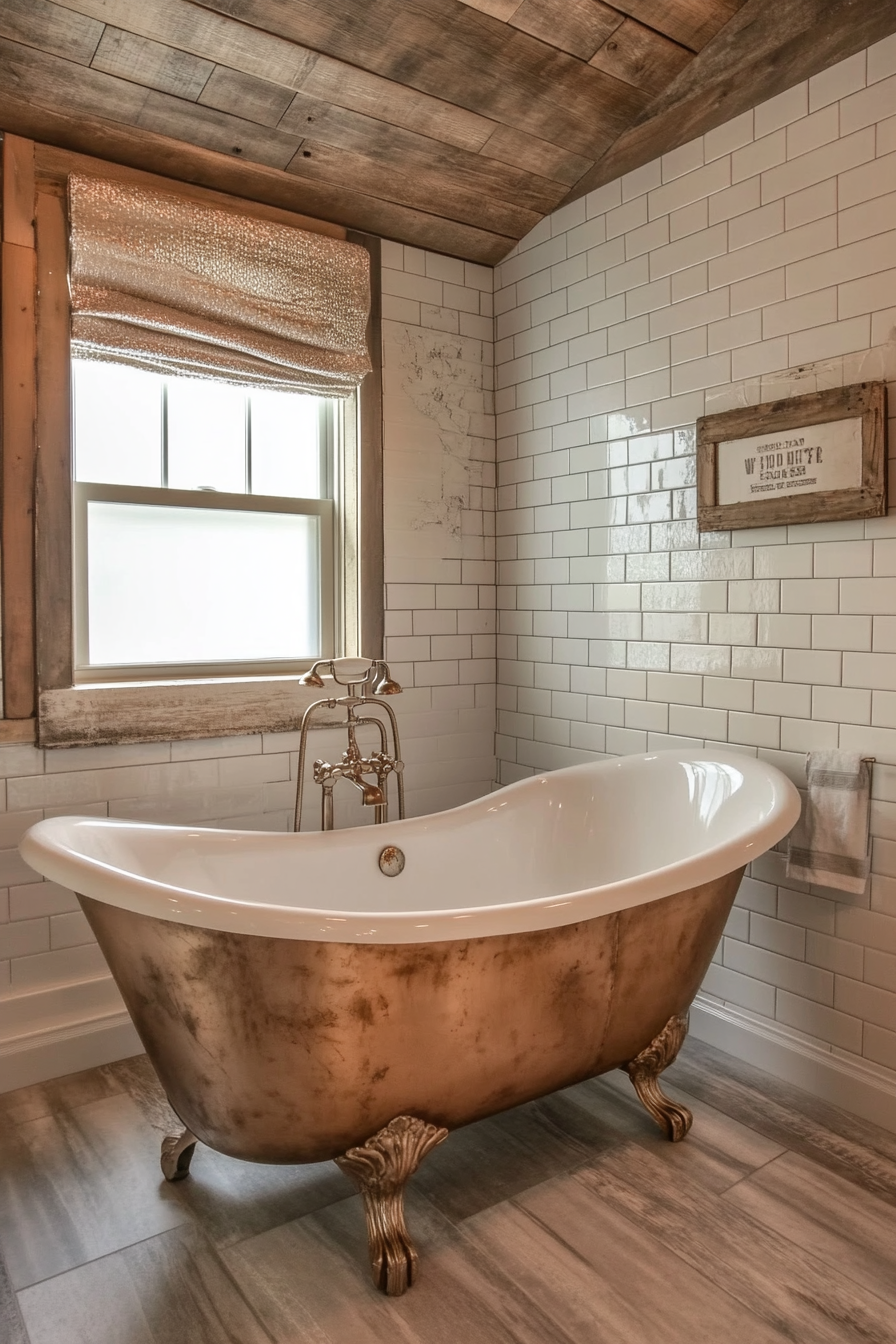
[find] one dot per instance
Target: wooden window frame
(41, 699)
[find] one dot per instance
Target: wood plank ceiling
(451, 124)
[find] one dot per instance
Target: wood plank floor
(567, 1221)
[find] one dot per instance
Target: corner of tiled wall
(438, 370)
(755, 262)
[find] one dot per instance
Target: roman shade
(176, 286)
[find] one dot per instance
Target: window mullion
(165, 434)
(325, 441)
(248, 444)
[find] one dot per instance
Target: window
(74, 672)
(203, 526)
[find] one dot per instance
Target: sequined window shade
(171, 285)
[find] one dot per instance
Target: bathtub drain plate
(391, 861)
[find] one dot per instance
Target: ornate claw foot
(177, 1154)
(645, 1070)
(380, 1169)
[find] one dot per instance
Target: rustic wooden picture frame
(869, 500)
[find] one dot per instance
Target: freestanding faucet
(363, 678)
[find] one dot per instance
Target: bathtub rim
(44, 847)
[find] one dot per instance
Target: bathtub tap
(361, 677)
(541, 935)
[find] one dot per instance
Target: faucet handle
(344, 671)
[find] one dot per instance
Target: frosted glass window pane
(206, 435)
(117, 424)
(286, 445)
(184, 585)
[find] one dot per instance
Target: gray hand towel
(829, 844)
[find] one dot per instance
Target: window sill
(165, 711)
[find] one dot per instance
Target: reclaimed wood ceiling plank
(143, 61)
(248, 96)
(52, 28)
(144, 150)
(320, 162)
(642, 57)
(526, 151)
(211, 129)
(567, 23)
(213, 37)
(74, 89)
(444, 48)
(579, 27)
(693, 23)
(498, 9)
(361, 91)
(406, 151)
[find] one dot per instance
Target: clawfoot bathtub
(299, 1003)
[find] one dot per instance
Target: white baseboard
(63, 1029)
(861, 1088)
(51, 1054)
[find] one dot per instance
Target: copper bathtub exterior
(282, 1050)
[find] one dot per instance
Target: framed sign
(808, 459)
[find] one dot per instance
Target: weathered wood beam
(53, 454)
(17, 174)
(768, 47)
(168, 157)
(18, 404)
(369, 466)
(89, 716)
(18, 730)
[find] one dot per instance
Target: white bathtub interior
(615, 831)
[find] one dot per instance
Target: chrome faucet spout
(371, 794)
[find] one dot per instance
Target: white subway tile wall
(756, 262)
(440, 595)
